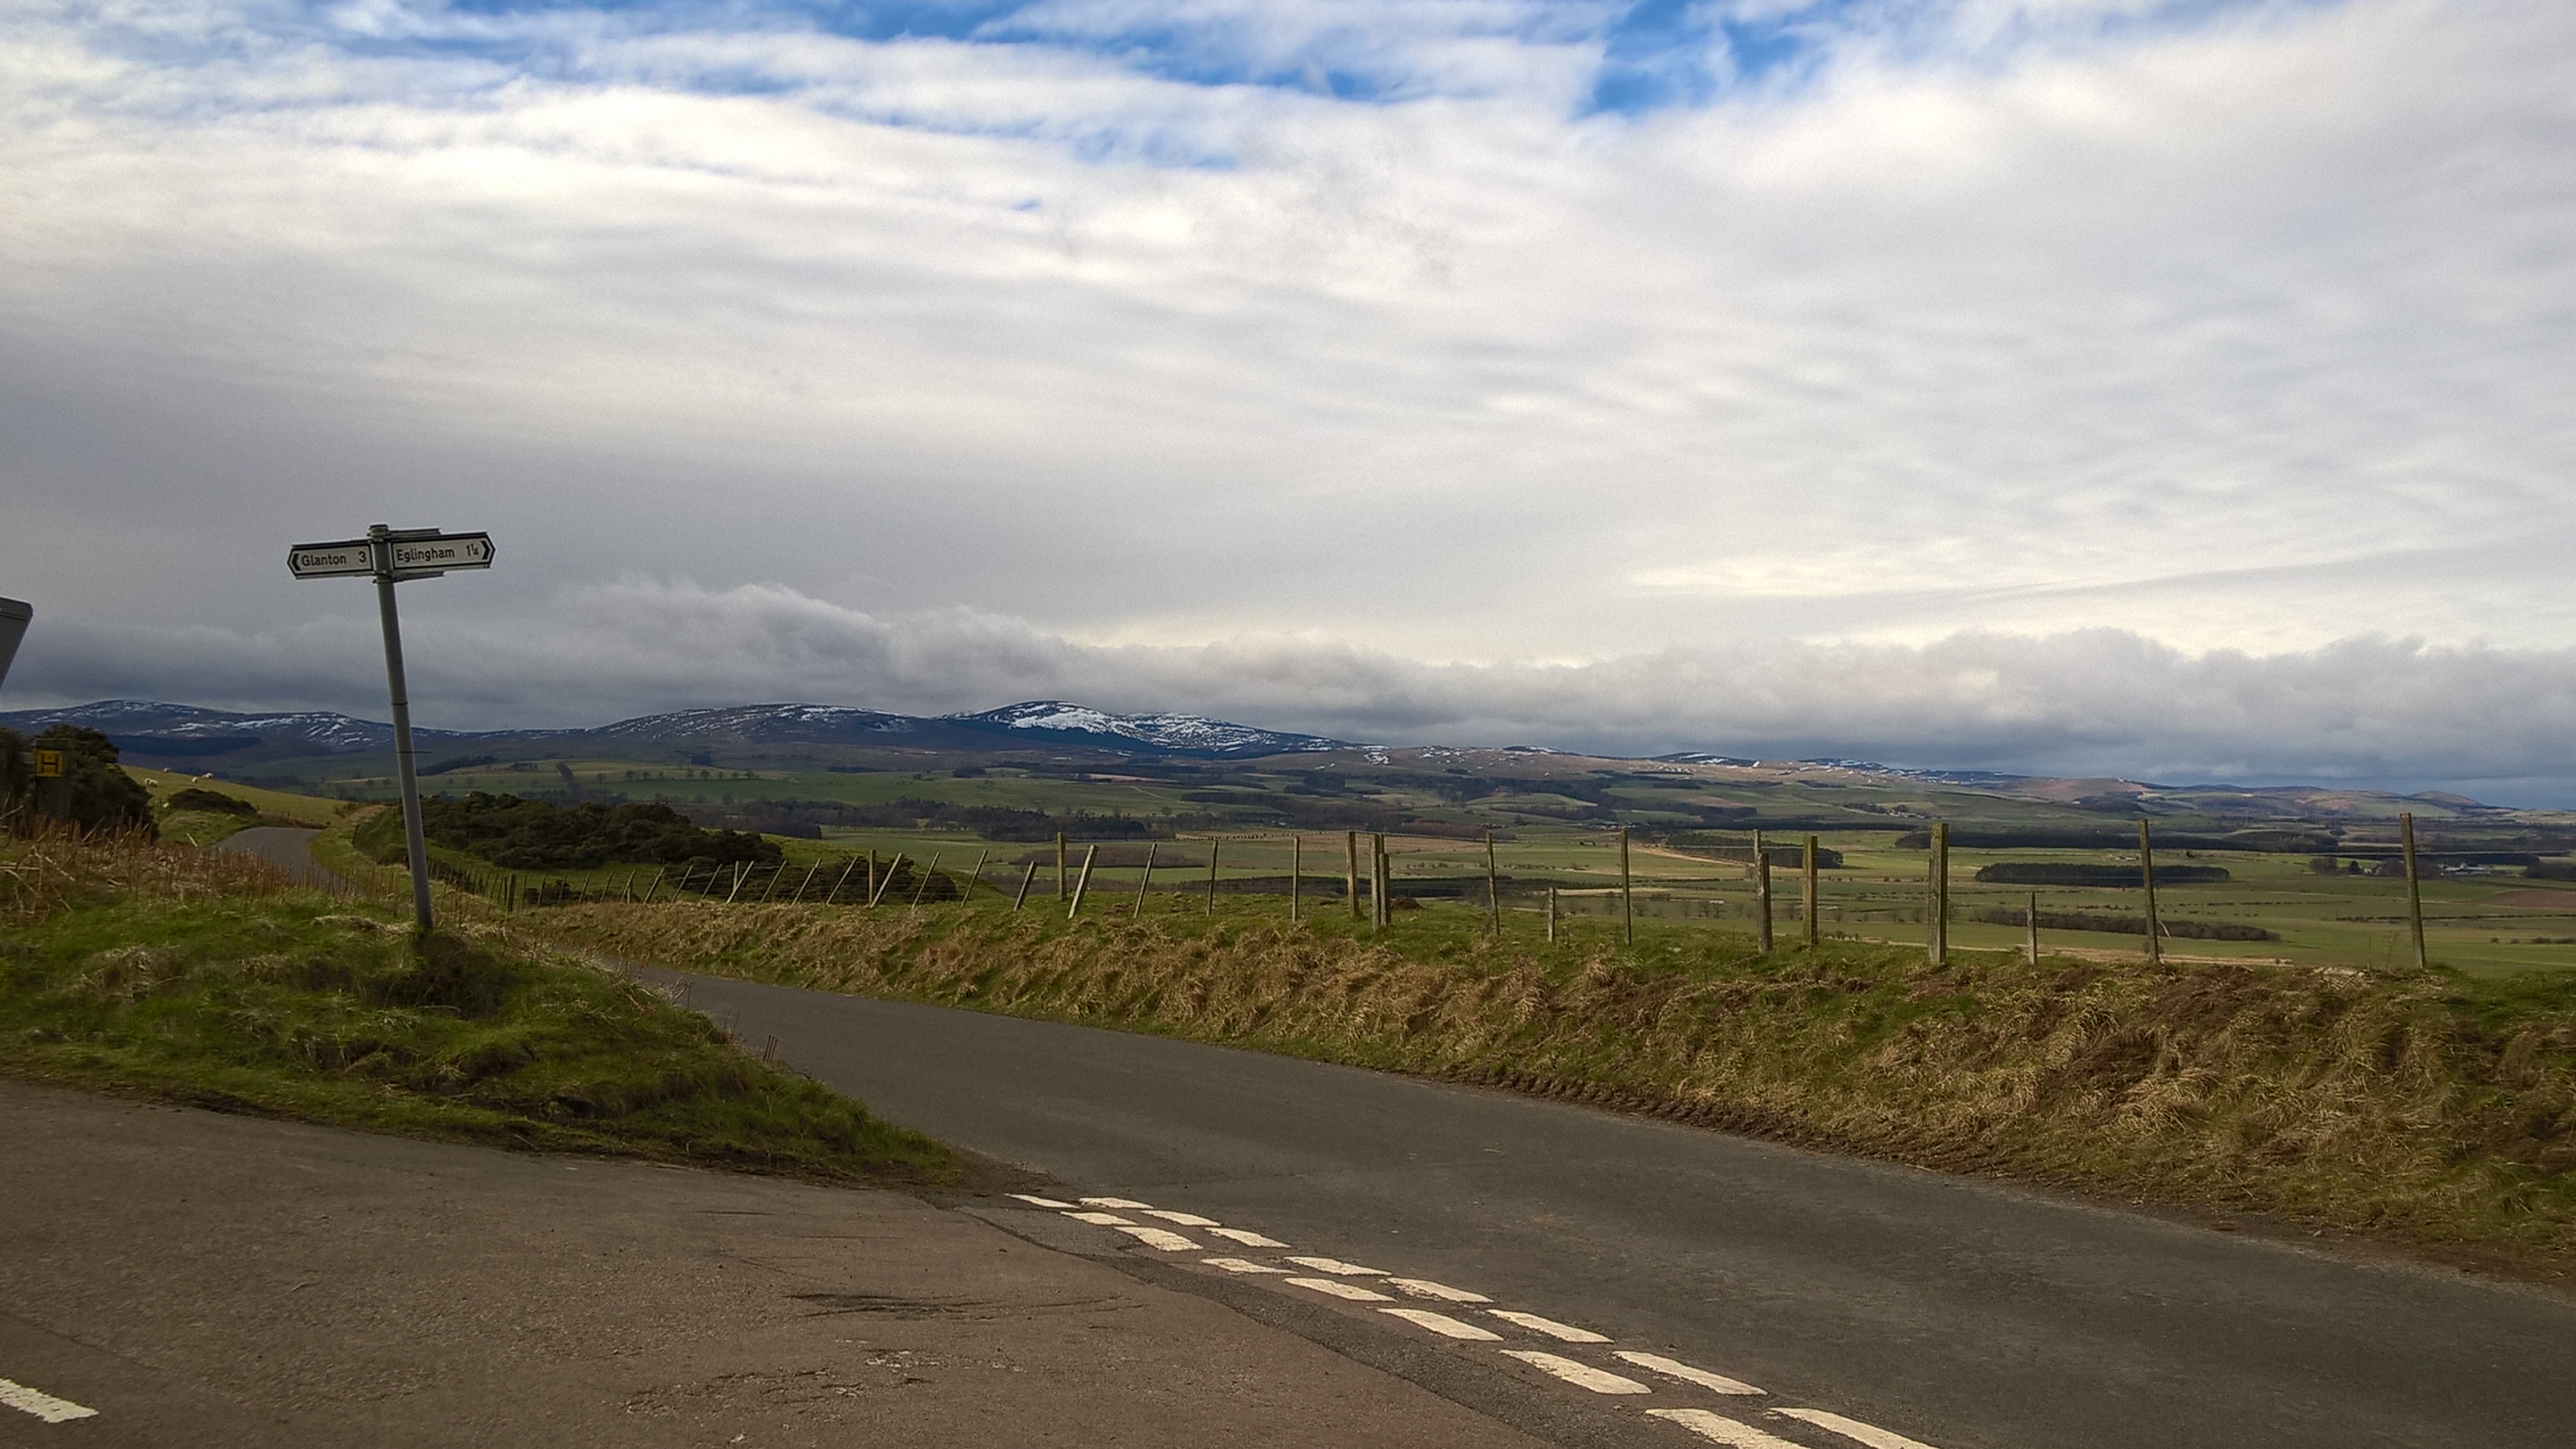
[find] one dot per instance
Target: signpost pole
(379, 538)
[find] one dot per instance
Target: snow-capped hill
(758, 724)
(162, 729)
(1175, 733)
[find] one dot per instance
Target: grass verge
(2423, 1107)
(206, 979)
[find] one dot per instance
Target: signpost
(13, 627)
(391, 556)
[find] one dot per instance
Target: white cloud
(2248, 332)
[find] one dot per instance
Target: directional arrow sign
(436, 553)
(323, 560)
(422, 555)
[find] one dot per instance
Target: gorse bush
(518, 834)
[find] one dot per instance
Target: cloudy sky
(2170, 388)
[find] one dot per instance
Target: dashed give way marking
(1675, 1368)
(1339, 1289)
(1562, 1332)
(1719, 1429)
(41, 1404)
(1581, 1375)
(1246, 1237)
(1118, 1202)
(1869, 1434)
(1425, 1288)
(1044, 1202)
(1336, 1265)
(1106, 1220)
(1242, 1265)
(1163, 1238)
(1444, 1325)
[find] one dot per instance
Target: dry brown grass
(52, 869)
(2421, 1106)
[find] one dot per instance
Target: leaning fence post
(1025, 882)
(973, 876)
(2414, 891)
(1493, 888)
(1814, 932)
(1761, 895)
(928, 871)
(843, 883)
(1936, 916)
(803, 885)
(887, 884)
(1143, 881)
(1081, 881)
(2147, 878)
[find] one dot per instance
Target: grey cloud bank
(2488, 722)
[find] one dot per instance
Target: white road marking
(1581, 1375)
(1339, 1289)
(41, 1404)
(1675, 1368)
(1337, 1266)
(1869, 1434)
(1719, 1429)
(1444, 1325)
(1565, 1332)
(1163, 1238)
(1242, 1265)
(1425, 1288)
(1044, 1202)
(1187, 1220)
(1247, 1237)
(1106, 1220)
(1118, 1202)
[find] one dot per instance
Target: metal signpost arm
(379, 539)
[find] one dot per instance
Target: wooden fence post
(1059, 865)
(1025, 882)
(1143, 881)
(1213, 847)
(1381, 911)
(1815, 933)
(1351, 844)
(843, 883)
(2147, 878)
(1081, 881)
(974, 875)
(2030, 918)
(1551, 915)
(2414, 890)
(1761, 895)
(928, 871)
(1292, 878)
(808, 881)
(1493, 888)
(887, 884)
(1936, 915)
(1627, 894)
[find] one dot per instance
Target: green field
(1556, 819)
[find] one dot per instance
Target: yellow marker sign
(49, 764)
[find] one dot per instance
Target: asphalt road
(284, 846)
(1961, 1314)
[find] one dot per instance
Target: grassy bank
(206, 979)
(2419, 1106)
